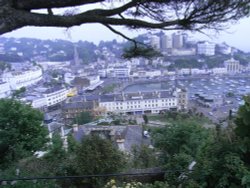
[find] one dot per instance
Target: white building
(143, 102)
(102, 73)
(43, 97)
(121, 72)
(177, 39)
(155, 42)
(5, 90)
(195, 71)
(25, 78)
(68, 77)
(94, 82)
(55, 96)
(183, 52)
(233, 66)
(37, 102)
(205, 48)
(221, 70)
(184, 71)
(166, 43)
(146, 73)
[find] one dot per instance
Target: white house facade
(205, 48)
(55, 96)
(142, 102)
(25, 78)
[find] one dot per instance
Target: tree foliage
(242, 129)
(83, 117)
(21, 130)
(143, 157)
(19, 92)
(134, 14)
(96, 156)
(181, 136)
(136, 51)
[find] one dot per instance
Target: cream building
(25, 78)
(144, 102)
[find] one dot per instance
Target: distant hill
(23, 49)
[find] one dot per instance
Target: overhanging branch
(39, 4)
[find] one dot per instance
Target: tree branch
(121, 34)
(153, 14)
(39, 4)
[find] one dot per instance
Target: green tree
(145, 118)
(242, 129)
(143, 157)
(219, 164)
(56, 151)
(18, 93)
(180, 137)
(98, 156)
(179, 144)
(84, 117)
(21, 130)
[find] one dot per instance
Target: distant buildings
(166, 44)
(205, 48)
(178, 41)
(55, 95)
(233, 66)
(141, 73)
(209, 100)
(144, 102)
(87, 83)
(219, 70)
(224, 49)
(115, 71)
(155, 42)
(43, 97)
(18, 79)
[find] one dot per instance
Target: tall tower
(177, 40)
(76, 56)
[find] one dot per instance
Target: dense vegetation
(191, 155)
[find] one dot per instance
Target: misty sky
(238, 35)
